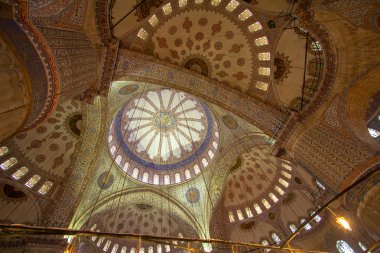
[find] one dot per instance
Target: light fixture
(343, 222)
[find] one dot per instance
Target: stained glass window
(261, 41)
(159, 248)
(264, 56)
(123, 249)
(100, 241)
(262, 85)
(8, 163)
(374, 133)
(286, 174)
(107, 245)
(240, 214)
(33, 181)
(343, 247)
(279, 190)
(145, 177)
(286, 166)
(362, 246)
(166, 179)
(177, 178)
(3, 150)
(156, 179)
(142, 250)
(255, 27)
(257, 208)
(187, 174)
(317, 218)
(265, 243)
(232, 5)
(283, 182)
(316, 46)
(215, 2)
(45, 187)
(245, 15)
(182, 3)
(293, 228)
(150, 249)
(276, 238)
(264, 71)
(167, 9)
(115, 248)
(320, 185)
(153, 21)
(266, 203)
(307, 226)
(135, 173)
(167, 248)
(142, 34)
(273, 197)
(132, 250)
(231, 217)
(248, 212)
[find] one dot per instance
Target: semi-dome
(163, 137)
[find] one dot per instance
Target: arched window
(307, 226)
(156, 179)
(45, 187)
(135, 173)
(8, 163)
(257, 208)
(211, 154)
(343, 247)
(320, 185)
(273, 197)
(362, 246)
(180, 235)
(283, 182)
(118, 159)
(374, 133)
(107, 245)
(266, 203)
(187, 174)
(196, 169)
(286, 174)
(110, 138)
(159, 248)
(177, 178)
(293, 228)
(204, 162)
(248, 212)
(142, 250)
(126, 166)
(33, 181)
(123, 249)
(231, 216)
(166, 179)
(315, 46)
(214, 144)
(93, 227)
(113, 150)
(132, 250)
(286, 166)
(145, 177)
(276, 238)
(20, 173)
(240, 214)
(265, 243)
(101, 239)
(167, 248)
(279, 190)
(3, 150)
(150, 249)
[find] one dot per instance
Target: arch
(357, 98)
(156, 179)
(135, 173)
(177, 178)
(140, 196)
(187, 174)
(145, 177)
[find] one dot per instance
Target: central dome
(163, 137)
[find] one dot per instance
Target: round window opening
(163, 137)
